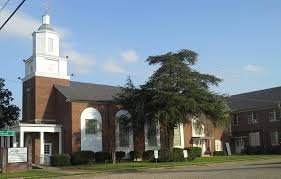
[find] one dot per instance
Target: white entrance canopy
(21, 128)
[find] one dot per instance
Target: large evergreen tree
(9, 113)
(174, 94)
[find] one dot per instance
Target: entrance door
(200, 143)
(239, 144)
(47, 153)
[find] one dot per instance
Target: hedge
(165, 155)
(178, 155)
(119, 155)
(148, 155)
(60, 160)
(82, 157)
(219, 153)
(102, 156)
(193, 152)
(135, 154)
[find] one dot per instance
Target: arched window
(91, 130)
(124, 131)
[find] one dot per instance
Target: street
(263, 169)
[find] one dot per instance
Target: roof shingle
(78, 91)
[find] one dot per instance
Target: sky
(238, 41)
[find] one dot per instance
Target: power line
(4, 6)
(12, 14)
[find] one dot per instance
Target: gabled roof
(254, 100)
(78, 91)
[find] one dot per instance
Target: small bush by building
(193, 152)
(102, 157)
(60, 160)
(135, 154)
(165, 155)
(148, 155)
(178, 155)
(119, 155)
(82, 157)
(219, 153)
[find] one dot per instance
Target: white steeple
(45, 60)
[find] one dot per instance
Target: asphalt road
(262, 169)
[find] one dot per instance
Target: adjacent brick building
(63, 116)
(256, 124)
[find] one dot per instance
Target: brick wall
(43, 106)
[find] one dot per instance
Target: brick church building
(63, 116)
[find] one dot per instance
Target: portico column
(60, 143)
(2, 141)
(41, 147)
(15, 140)
(8, 141)
(21, 139)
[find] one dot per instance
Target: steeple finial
(46, 7)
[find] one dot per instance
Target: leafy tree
(175, 93)
(9, 113)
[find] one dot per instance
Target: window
(177, 136)
(239, 141)
(218, 146)
(50, 45)
(91, 126)
(275, 115)
(48, 149)
(254, 139)
(124, 134)
(275, 138)
(252, 118)
(151, 133)
(235, 120)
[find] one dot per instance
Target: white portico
(22, 128)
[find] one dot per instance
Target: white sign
(156, 154)
(228, 148)
(185, 154)
(17, 155)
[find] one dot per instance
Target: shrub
(135, 154)
(219, 153)
(178, 155)
(60, 160)
(254, 150)
(102, 156)
(165, 155)
(148, 155)
(193, 152)
(119, 155)
(82, 157)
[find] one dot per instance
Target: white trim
(181, 137)
(158, 143)
(25, 127)
(47, 75)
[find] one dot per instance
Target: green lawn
(35, 173)
(129, 166)
(149, 165)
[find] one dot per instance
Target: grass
(36, 173)
(149, 165)
(131, 166)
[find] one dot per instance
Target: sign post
(156, 155)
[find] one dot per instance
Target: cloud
(81, 63)
(112, 67)
(129, 56)
(22, 25)
(253, 68)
